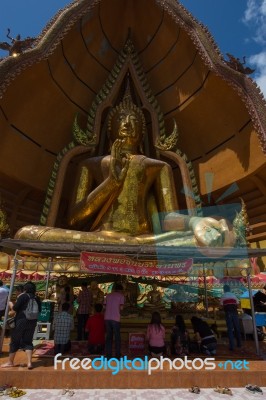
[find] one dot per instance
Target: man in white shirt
(230, 302)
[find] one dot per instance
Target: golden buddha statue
(154, 296)
(96, 293)
(116, 196)
(131, 293)
(154, 300)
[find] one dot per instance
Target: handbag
(10, 323)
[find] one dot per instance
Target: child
(62, 326)
(96, 331)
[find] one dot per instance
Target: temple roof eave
(63, 21)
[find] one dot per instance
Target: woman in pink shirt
(156, 335)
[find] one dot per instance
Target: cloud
(259, 62)
(255, 18)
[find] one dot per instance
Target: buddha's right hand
(211, 232)
(118, 163)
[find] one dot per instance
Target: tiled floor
(162, 394)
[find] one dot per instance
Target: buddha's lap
(52, 234)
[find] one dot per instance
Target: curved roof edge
(65, 18)
(247, 88)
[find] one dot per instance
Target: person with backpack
(27, 308)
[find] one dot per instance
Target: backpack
(32, 310)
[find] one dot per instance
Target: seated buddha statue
(116, 196)
(131, 293)
(154, 300)
(96, 293)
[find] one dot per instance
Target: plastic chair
(246, 326)
(42, 330)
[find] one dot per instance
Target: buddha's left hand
(211, 232)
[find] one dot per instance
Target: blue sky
(238, 26)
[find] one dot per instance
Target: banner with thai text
(124, 265)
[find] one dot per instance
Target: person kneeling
(156, 336)
(205, 336)
(63, 324)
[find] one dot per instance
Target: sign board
(137, 342)
(124, 265)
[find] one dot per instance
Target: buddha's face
(62, 280)
(127, 125)
(94, 285)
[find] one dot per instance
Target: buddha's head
(94, 285)
(126, 122)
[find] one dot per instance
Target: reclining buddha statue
(117, 196)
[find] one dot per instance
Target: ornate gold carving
(241, 226)
(82, 137)
(4, 227)
(169, 142)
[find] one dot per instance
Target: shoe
(16, 393)
(223, 390)
(194, 389)
(254, 389)
(258, 390)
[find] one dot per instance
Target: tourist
(84, 300)
(204, 336)
(22, 334)
(259, 300)
(3, 299)
(19, 289)
(179, 337)
(230, 302)
(113, 303)
(156, 335)
(246, 314)
(66, 296)
(62, 325)
(96, 330)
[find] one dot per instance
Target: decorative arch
(127, 70)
